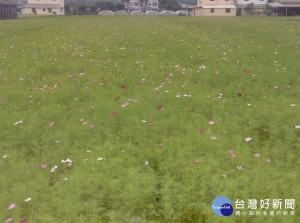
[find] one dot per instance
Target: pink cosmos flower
(275, 86)
(69, 164)
(9, 220)
(229, 151)
(214, 137)
(51, 124)
(234, 155)
(85, 123)
(196, 161)
(211, 122)
(71, 76)
(160, 107)
(257, 155)
(114, 113)
(23, 220)
(92, 126)
(224, 175)
(11, 206)
(111, 148)
(123, 86)
(268, 160)
(124, 105)
(44, 165)
(239, 167)
(201, 130)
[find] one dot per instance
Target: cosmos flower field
(147, 119)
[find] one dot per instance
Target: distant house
(140, 5)
(188, 8)
(214, 8)
(285, 7)
(43, 7)
(251, 7)
(8, 11)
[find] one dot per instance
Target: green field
(148, 119)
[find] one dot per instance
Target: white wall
(255, 2)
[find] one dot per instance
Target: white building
(43, 7)
(214, 8)
(140, 5)
(259, 7)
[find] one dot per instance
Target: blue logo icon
(222, 206)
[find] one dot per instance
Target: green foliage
(106, 5)
(93, 8)
(119, 6)
(75, 71)
(169, 5)
(82, 8)
(249, 8)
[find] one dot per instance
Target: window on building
(227, 10)
(154, 3)
(131, 4)
(61, 9)
(149, 4)
(44, 10)
(212, 0)
(212, 10)
(49, 10)
(135, 4)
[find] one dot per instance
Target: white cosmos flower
(66, 161)
(28, 199)
(18, 122)
(248, 139)
(53, 169)
(296, 126)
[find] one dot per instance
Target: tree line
(94, 7)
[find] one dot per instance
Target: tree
(249, 8)
(107, 6)
(93, 8)
(119, 6)
(169, 5)
(67, 8)
(82, 8)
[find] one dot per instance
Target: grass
(155, 165)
